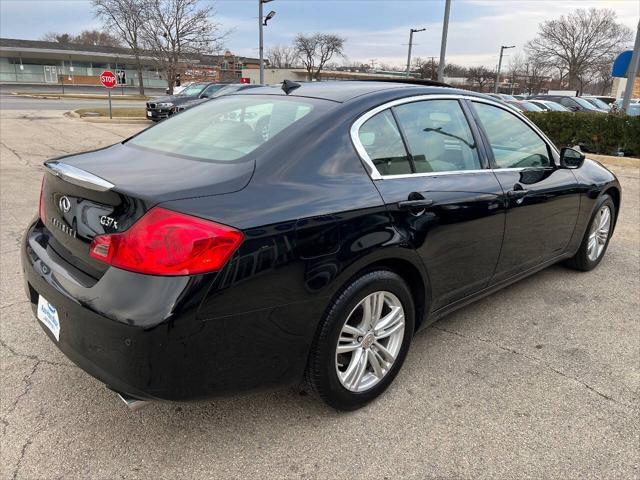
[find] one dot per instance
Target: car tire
(330, 375)
(595, 241)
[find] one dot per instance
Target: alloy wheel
(599, 233)
(370, 341)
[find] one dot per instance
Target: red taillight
(168, 243)
(41, 207)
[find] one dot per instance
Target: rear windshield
(224, 129)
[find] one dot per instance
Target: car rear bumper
(175, 356)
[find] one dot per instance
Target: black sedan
(225, 90)
(160, 108)
(304, 233)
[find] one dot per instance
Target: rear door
(443, 198)
(542, 200)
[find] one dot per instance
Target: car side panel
(593, 180)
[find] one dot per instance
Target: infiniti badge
(65, 204)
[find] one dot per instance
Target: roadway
(9, 101)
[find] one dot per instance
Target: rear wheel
(362, 341)
(596, 238)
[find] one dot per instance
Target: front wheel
(362, 341)
(596, 238)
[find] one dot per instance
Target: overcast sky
(375, 29)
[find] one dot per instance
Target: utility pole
(411, 32)
(261, 24)
(502, 49)
(632, 72)
(443, 43)
(432, 70)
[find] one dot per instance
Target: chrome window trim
(78, 177)
(373, 171)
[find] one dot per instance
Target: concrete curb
(120, 120)
(60, 96)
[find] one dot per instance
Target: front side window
(225, 129)
(383, 143)
(513, 142)
(438, 136)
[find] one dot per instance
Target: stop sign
(108, 79)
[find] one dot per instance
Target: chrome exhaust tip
(132, 403)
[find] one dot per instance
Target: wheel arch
(414, 275)
(615, 194)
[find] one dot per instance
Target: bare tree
(97, 37)
(480, 76)
(574, 43)
(125, 18)
(282, 56)
(174, 31)
(537, 72)
(515, 70)
(63, 38)
(316, 50)
(454, 70)
(86, 37)
(427, 68)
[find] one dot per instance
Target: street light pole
(262, 22)
(411, 32)
(443, 43)
(502, 49)
(632, 72)
(261, 48)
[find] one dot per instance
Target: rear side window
(438, 136)
(513, 142)
(224, 129)
(381, 139)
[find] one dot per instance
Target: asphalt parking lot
(540, 380)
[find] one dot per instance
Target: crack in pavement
(35, 358)
(23, 452)
(538, 361)
(27, 381)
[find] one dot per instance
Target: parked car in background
(520, 97)
(226, 90)
(526, 106)
(503, 96)
(204, 256)
(549, 106)
(160, 108)
(606, 99)
(575, 104)
(596, 102)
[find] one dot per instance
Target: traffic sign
(108, 79)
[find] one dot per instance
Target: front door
(542, 200)
(50, 74)
(442, 198)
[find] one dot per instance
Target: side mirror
(573, 108)
(204, 95)
(570, 158)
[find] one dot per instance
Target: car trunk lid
(106, 191)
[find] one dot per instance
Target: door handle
(517, 193)
(412, 204)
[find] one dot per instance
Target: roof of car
(344, 90)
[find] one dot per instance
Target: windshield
(192, 90)
(599, 103)
(531, 107)
(583, 103)
(225, 129)
(556, 106)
